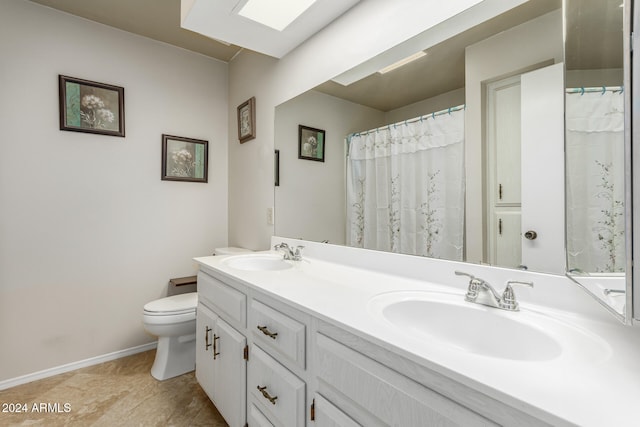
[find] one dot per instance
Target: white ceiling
(205, 23)
(220, 20)
(155, 19)
(160, 20)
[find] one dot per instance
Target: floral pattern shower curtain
(405, 187)
(595, 180)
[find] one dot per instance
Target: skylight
(277, 14)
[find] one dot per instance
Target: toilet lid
(173, 304)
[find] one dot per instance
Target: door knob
(530, 235)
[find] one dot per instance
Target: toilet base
(174, 356)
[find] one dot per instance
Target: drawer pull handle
(266, 395)
(268, 333)
(207, 344)
(215, 347)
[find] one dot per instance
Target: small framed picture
(91, 107)
(247, 120)
(310, 143)
(184, 159)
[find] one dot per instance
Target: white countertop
(595, 387)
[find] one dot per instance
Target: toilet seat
(173, 305)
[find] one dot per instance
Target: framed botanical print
(91, 107)
(184, 159)
(311, 143)
(247, 120)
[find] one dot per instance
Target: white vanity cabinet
(277, 365)
(251, 354)
(221, 349)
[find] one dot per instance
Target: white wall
(88, 231)
(533, 44)
(312, 194)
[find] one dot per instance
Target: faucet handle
(508, 300)
(474, 285)
(462, 273)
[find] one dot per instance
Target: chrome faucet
(481, 292)
(289, 253)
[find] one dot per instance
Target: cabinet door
(230, 372)
(508, 240)
(205, 323)
(328, 415)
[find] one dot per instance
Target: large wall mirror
(596, 112)
(457, 154)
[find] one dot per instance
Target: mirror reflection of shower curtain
(595, 180)
(405, 187)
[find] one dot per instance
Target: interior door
(542, 166)
(503, 173)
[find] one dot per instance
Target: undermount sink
(441, 318)
(257, 262)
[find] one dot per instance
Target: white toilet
(173, 321)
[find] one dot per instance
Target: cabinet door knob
(266, 395)
(530, 235)
(268, 333)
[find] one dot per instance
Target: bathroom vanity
(354, 337)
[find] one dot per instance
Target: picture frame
(311, 142)
(90, 107)
(184, 159)
(247, 120)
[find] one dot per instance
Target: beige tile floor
(117, 393)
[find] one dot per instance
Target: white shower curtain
(405, 187)
(595, 180)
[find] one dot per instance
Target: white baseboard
(12, 382)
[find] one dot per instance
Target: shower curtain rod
(415, 119)
(601, 89)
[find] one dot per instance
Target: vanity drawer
(389, 397)
(327, 415)
(226, 300)
(280, 393)
(255, 417)
(278, 331)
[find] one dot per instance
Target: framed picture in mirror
(311, 143)
(184, 159)
(247, 120)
